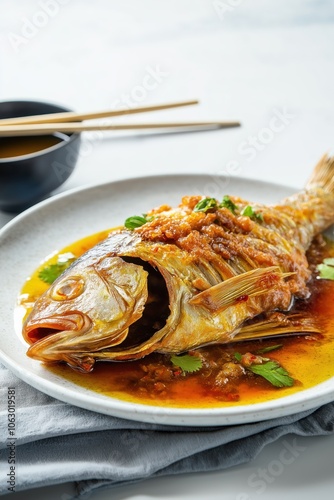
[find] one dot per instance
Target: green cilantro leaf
(326, 269)
(270, 348)
(187, 363)
(228, 203)
(205, 205)
(274, 373)
(136, 221)
(50, 273)
(238, 356)
(250, 212)
(271, 370)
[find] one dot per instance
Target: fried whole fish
(188, 277)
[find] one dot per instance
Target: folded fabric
(56, 442)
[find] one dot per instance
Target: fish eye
(68, 289)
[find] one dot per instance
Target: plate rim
(218, 416)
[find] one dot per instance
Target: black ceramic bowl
(30, 177)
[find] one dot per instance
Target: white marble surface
(267, 64)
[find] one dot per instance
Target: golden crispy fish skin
(219, 268)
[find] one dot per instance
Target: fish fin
(277, 324)
(239, 288)
(323, 175)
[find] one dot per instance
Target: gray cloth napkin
(57, 442)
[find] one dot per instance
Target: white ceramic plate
(55, 223)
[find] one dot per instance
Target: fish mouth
(37, 329)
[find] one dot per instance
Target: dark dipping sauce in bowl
(32, 167)
(18, 146)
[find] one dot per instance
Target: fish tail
(312, 209)
(323, 175)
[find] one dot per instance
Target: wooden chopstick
(71, 116)
(46, 128)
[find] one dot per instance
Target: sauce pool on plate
(221, 380)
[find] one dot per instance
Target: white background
(244, 60)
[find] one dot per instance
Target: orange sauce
(308, 359)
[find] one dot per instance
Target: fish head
(89, 307)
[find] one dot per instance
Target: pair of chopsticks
(71, 122)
